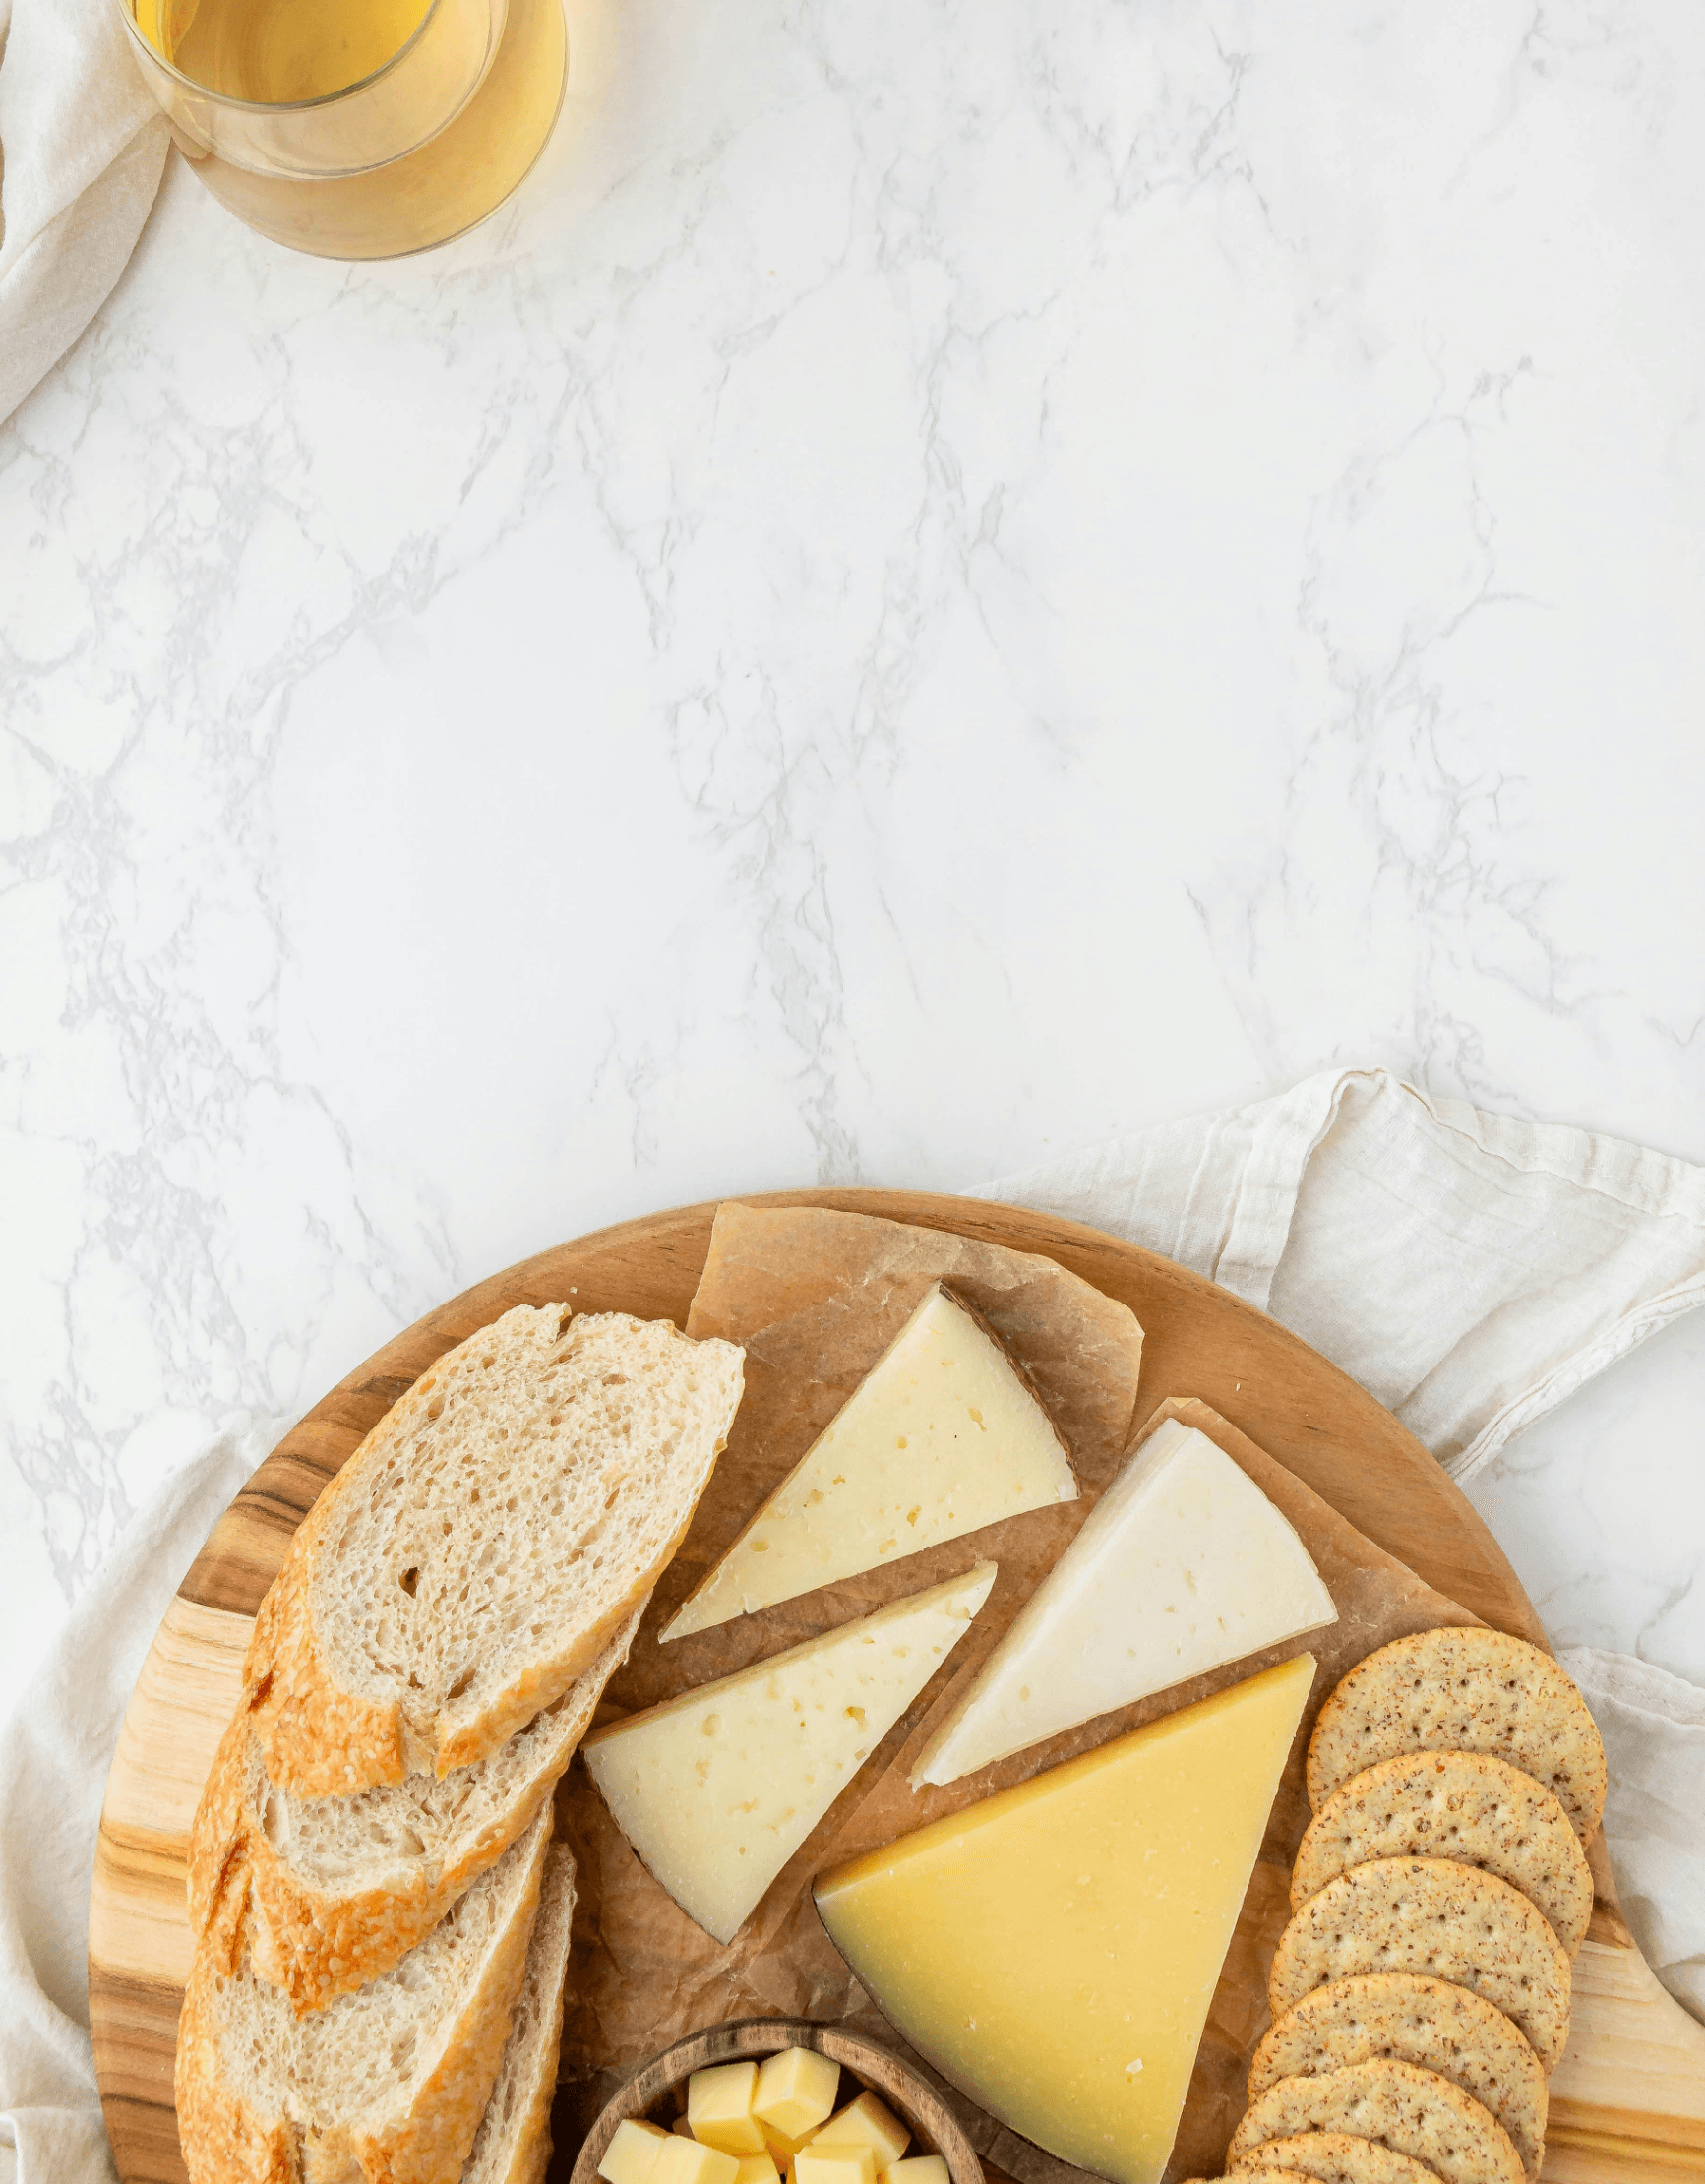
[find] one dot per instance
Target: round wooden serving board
(1627, 2102)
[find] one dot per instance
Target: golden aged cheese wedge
(1052, 1951)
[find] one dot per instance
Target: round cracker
(1334, 2157)
(1260, 2172)
(1415, 2020)
(1444, 1920)
(1396, 2104)
(1457, 1690)
(1468, 1806)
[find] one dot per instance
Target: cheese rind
(717, 1788)
(1052, 1950)
(1182, 1566)
(942, 1436)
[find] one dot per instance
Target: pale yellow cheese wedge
(1052, 1950)
(942, 1435)
(717, 1788)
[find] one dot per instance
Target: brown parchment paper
(816, 1296)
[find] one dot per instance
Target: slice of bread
(388, 2085)
(344, 1887)
(514, 2145)
(482, 1546)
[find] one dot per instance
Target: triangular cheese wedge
(1052, 1951)
(942, 1436)
(1183, 1564)
(717, 1788)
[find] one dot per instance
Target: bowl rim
(879, 2067)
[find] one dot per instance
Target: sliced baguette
(343, 1887)
(482, 1546)
(514, 2145)
(388, 2085)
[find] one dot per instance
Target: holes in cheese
(1052, 1950)
(717, 1788)
(1182, 1566)
(942, 1436)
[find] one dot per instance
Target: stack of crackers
(1421, 1991)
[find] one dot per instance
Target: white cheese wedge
(717, 1788)
(1182, 1565)
(942, 1435)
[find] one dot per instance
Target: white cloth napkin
(1470, 1270)
(82, 147)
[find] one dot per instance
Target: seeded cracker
(1427, 2022)
(1445, 1921)
(1464, 1691)
(1467, 1807)
(1411, 2110)
(1334, 2157)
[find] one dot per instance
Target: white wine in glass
(355, 128)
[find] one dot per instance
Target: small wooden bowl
(657, 2090)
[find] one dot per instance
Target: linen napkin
(1469, 1269)
(82, 148)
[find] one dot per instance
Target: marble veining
(946, 581)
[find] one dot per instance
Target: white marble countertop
(947, 581)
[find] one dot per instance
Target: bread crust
(227, 2139)
(316, 1941)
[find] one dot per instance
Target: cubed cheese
(866, 2122)
(796, 2092)
(631, 2154)
(687, 2161)
(719, 2107)
(834, 2164)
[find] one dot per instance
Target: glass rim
(156, 59)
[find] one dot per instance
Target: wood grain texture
(658, 2090)
(1629, 2098)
